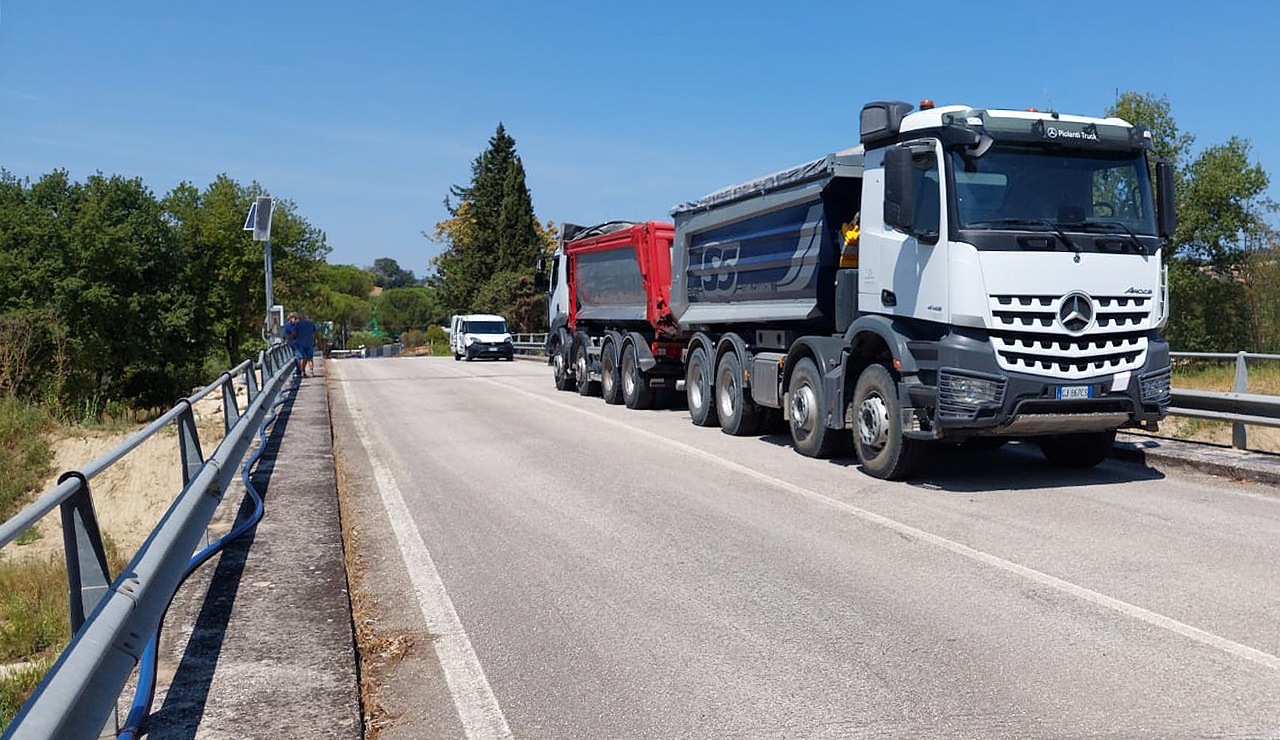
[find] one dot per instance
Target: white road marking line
(1123, 607)
(477, 707)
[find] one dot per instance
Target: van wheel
(882, 449)
(456, 357)
(582, 366)
(636, 393)
(739, 415)
(699, 391)
(610, 378)
(810, 434)
(1081, 450)
(560, 365)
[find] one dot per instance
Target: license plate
(1073, 392)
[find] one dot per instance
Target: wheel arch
(732, 342)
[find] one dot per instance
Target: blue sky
(365, 113)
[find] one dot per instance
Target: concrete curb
(261, 645)
(1162, 453)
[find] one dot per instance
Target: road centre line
(477, 707)
(1094, 597)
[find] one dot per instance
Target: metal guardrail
(111, 621)
(1237, 406)
(530, 344)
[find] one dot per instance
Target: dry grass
(34, 622)
(1211, 375)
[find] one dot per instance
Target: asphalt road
(585, 571)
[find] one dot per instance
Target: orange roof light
(926, 104)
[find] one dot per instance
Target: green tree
(492, 238)
(228, 266)
(1222, 211)
(343, 297)
(402, 309)
(387, 273)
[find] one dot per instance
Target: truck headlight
(470, 340)
(962, 395)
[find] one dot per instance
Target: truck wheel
(1081, 450)
(636, 393)
(809, 432)
(560, 366)
(699, 391)
(882, 449)
(739, 415)
(456, 357)
(582, 366)
(610, 378)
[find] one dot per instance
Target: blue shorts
(304, 352)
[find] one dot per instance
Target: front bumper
(490, 349)
(966, 393)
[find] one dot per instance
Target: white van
(480, 335)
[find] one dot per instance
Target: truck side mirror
(1166, 214)
(540, 281)
(899, 189)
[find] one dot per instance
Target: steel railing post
(1239, 436)
(230, 412)
(189, 443)
(251, 383)
(88, 578)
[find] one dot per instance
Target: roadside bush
(414, 338)
(365, 338)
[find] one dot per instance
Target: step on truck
(963, 276)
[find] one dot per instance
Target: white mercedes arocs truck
(964, 275)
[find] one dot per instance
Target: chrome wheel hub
(803, 408)
(873, 422)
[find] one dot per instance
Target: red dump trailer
(617, 335)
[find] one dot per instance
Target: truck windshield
(486, 327)
(1015, 187)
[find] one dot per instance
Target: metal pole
(1239, 437)
(271, 301)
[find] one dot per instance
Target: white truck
(963, 276)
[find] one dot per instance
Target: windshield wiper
(1133, 238)
(1029, 222)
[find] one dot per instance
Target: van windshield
(485, 327)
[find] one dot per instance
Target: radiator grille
(1028, 336)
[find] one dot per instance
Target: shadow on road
(1016, 466)
(184, 705)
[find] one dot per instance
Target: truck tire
(739, 415)
(636, 393)
(699, 391)
(1080, 450)
(560, 365)
(582, 366)
(810, 434)
(610, 378)
(878, 439)
(456, 357)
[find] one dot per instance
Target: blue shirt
(303, 334)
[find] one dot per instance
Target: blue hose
(146, 690)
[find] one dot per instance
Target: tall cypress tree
(518, 241)
(492, 236)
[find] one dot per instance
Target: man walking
(301, 333)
